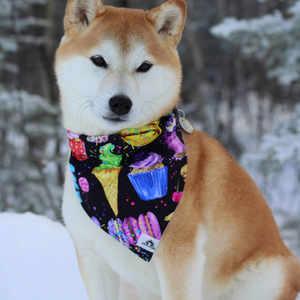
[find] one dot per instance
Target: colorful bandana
(130, 183)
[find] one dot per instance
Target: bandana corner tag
(148, 242)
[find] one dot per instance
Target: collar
(130, 183)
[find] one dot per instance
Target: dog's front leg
(180, 261)
(181, 282)
(100, 280)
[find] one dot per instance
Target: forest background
(241, 70)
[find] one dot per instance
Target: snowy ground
(38, 261)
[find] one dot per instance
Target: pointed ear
(169, 19)
(80, 13)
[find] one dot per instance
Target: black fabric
(130, 183)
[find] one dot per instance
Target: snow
(272, 38)
(37, 260)
(275, 166)
(295, 9)
(20, 24)
(30, 124)
(33, 104)
(267, 24)
(8, 44)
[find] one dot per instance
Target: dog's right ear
(80, 13)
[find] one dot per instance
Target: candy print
(169, 217)
(177, 195)
(72, 168)
(147, 223)
(132, 182)
(132, 230)
(171, 123)
(95, 220)
(183, 172)
(72, 135)
(175, 143)
(84, 185)
(115, 229)
(97, 139)
(173, 140)
(136, 137)
(77, 146)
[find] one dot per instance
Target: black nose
(120, 105)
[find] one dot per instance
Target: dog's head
(118, 68)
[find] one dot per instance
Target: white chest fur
(99, 252)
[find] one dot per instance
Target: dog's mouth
(114, 120)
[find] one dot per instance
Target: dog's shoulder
(227, 196)
(209, 160)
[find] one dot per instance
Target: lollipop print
(84, 184)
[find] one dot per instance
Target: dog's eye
(145, 67)
(99, 61)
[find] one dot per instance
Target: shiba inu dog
(119, 68)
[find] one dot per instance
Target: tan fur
(223, 225)
(124, 26)
(80, 13)
(224, 198)
(172, 34)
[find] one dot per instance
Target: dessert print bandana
(130, 183)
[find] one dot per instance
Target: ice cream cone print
(108, 174)
(109, 179)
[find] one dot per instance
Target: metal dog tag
(184, 123)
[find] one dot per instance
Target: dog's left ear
(169, 19)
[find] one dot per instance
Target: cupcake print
(149, 176)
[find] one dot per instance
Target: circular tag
(186, 125)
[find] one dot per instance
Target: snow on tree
(28, 178)
(274, 39)
(29, 124)
(15, 30)
(275, 167)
